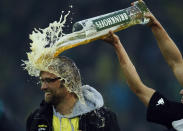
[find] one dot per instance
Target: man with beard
(159, 109)
(69, 106)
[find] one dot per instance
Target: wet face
(53, 88)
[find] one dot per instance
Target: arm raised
(132, 78)
(167, 47)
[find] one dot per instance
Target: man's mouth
(47, 93)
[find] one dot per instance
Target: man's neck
(66, 106)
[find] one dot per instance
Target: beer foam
(43, 47)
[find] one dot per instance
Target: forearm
(128, 68)
(169, 51)
(132, 78)
(167, 47)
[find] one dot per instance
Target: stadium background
(20, 93)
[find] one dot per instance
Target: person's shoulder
(163, 111)
(33, 113)
(108, 113)
(160, 102)
(104, 112)
(102, 117)
(42, 109)
(36, 110)
(106, 109)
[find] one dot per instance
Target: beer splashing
(43, 47)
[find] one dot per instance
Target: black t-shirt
(164, 112)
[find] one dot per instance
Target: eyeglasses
(49, 80)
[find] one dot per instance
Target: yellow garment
(65, 124)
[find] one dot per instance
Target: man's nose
(44, 86)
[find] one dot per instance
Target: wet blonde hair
(69, 72)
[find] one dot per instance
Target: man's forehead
(46, 74)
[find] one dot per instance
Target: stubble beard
(53, 99)
(48, 99)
